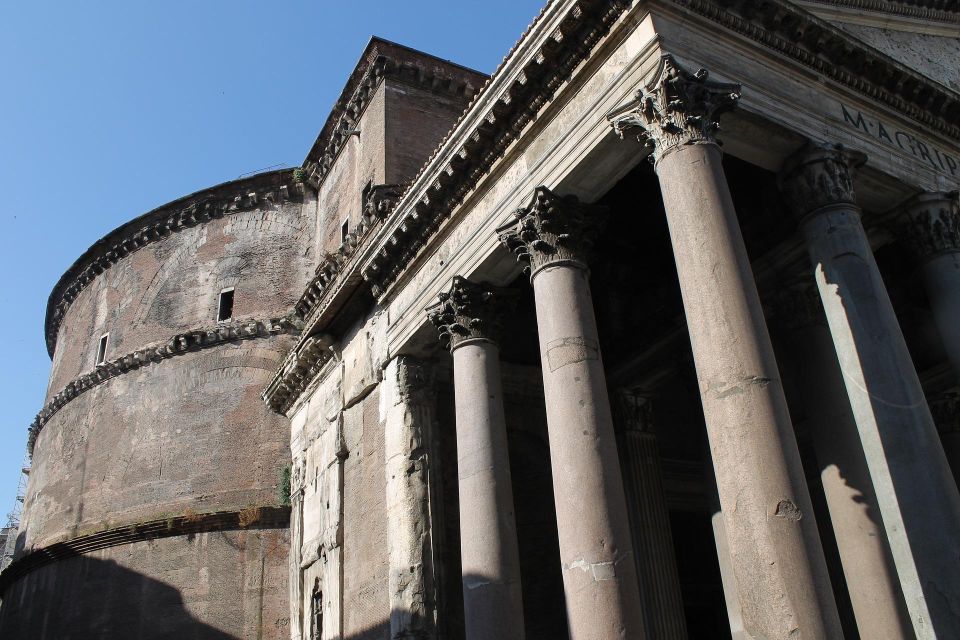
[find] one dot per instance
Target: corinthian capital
(675, 108)
(553, 229)
(632, 411)
(946, 412)
(820, 175)
(797, 305)
(470, 312)
(930, 224)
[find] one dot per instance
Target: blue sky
(108, 109)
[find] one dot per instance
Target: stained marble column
(868, 569)
(469, 318)
(930, 228)
(778, 562)
(554, 235)
(916, 493)
(649, 517)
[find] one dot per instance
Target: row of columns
(894, 507)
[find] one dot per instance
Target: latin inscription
(889, 135)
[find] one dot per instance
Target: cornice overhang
(797, 34)
(382, 59)
(177, 345)
(271, 188)
(885, 13)
(556, 42)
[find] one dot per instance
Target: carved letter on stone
(675, 108)
(471, 311)
(553, 229)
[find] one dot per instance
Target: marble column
(930, 228)
(778, 562)
(918, 499)
(554, 234)
(408, 410)
(868, 569)
(649, 518)
(469, 318)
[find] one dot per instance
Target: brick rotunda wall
(151, 472)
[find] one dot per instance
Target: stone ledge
(178, 344)
(198, 208)
(255, 517)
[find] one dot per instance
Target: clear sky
(111, 108)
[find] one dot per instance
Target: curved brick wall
(173, 424)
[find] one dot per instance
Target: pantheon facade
(654, 333)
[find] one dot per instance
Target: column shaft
(649, 520)
(595, 550)
(941, 280)
(916, 493)
(774, 545)
(493, 607)
(868, 568)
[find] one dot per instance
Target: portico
(647, 213)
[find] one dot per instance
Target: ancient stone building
(763, 450)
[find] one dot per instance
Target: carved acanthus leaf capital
(471, 311)
(675, 108)
(633, 411)
(797, 305)
(930, 224)
(820, 175)
(553, 229)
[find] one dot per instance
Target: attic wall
(936, 57)
(360, 161)
(417, 121)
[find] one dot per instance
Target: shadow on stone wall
(98, 600)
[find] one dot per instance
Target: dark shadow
(84, 598)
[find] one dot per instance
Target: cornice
(937, 10)
(300, 367)
(258, 517)
(271, 188)
(827, 50)
(178, 344)
(516, 92)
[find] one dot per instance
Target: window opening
(102, 348)
(344, 230)
(225, 307)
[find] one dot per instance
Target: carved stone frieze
(378, 203)
(675, 108)
(632, 411)
(930, 224)
(819, 175)
(797, 305)
(553, 229)
(178, 344)
(471, 311)
(828, 51)
(241, 195)
(299, 369)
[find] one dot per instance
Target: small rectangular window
(102, 348)
(225, 308)
(344, 230)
